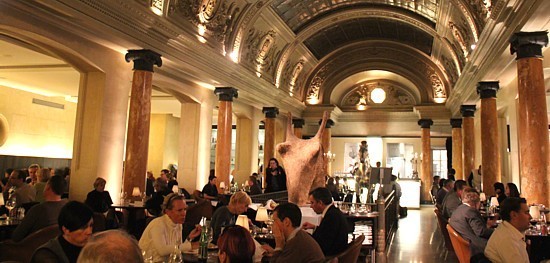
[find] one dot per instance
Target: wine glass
(10, 205)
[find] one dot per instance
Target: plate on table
(212, 246)
(192, 252)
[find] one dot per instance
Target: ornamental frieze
(395, 95)
(216, 16)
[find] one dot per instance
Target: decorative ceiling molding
(396, 95)
(323, 79)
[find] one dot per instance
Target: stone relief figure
(304, 162)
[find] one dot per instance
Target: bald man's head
(111, 246)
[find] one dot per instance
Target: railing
(279, 197)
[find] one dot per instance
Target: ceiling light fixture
(378, 95)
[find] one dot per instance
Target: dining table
(7, 225)
(538, 247)
(133, 214)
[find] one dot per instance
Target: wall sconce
(330, 156)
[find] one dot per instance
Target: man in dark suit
(292, 243)
(332, 233)
(453, 199)
(467, 221)
(442, 192)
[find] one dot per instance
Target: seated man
(332, 233)
(453, 199)
(111, 246)
(467, 221)
(153, 205)
(22, 192)
(210, 191)
(164, 233)
(227, 215)
(44, 214)
(507, 244)
(442, 192)
(292, 243)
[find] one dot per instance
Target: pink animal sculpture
(304, 161)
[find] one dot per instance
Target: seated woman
(236, 245)
(227, 215)
(75, 222)
(43, 176)
(255, 188)
(511, 190)
(500, 192)
(98, 199)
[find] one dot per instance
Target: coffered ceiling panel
(332, 38)
(298, 13)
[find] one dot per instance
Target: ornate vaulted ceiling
(312, 52)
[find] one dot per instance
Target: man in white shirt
(507, 244)
(162, 235)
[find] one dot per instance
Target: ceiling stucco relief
(217, 17)
(292, 80)
(395, 95)
(250, 15)
(261, 52)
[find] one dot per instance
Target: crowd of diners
(163, 234)
(460, 205)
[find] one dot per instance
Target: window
(439, 166)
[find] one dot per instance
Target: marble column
(137, 139)
(243, 148)
(456, 124)
(468, 139)
(426, 175)
(298, 126)
(532, 116)
(325, 141)
(269, 136)
(225, 127)
(490, 147)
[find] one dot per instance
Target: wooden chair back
(22, 251)
(461, 246)
(352, 252)
(442, 223)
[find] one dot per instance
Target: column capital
(467, 110)
(329, 123)
(270, 112)
(456, 123)
(528, 44)
(487, 89)
(425, 123)
(226, 93)
(144, 59)
(298, 123)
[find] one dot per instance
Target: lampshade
(261, 214)
(534, 211)
(482, 197)
(494, 201)
(222, 185)
(242, 220)
(136, 191)
(175, 189)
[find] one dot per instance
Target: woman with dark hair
(499, 191)
(236, 245)
(275, 177)
(255, 188)
(75, 222)
(511, 190)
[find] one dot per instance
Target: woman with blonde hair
(43, 175)
(227, 215)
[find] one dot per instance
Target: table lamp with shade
(136, 193)
(175, 189)
(534, 211)
(242, 220)
(482, 197)
(222, 186)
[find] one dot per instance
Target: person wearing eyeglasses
(164, 233)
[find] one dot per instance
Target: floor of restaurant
(418, 239)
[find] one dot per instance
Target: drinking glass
(10, 205)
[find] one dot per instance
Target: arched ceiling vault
(400, 59)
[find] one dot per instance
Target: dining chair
(460, 245)
(22, 251)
